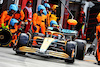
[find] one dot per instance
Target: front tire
(70, 46)
(70, 61)
(20, 53)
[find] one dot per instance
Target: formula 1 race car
(53, 44)
(72, 36)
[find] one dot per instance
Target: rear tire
(81, 47)
(80, 52)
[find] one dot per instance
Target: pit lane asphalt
(8, 58)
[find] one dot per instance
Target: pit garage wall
(74, 8)
(1, 1)
(5, 5)
(38, 3)
(17, 2)
(65, 16)
(62, 12)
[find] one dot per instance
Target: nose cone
(46, 43)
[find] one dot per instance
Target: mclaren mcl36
(53, 44)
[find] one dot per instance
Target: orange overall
(19, 15)
(37, 22)
(48, 18)
(44, 23)
(98, 43)
(13, 31)
(5, 18)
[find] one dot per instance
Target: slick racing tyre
(70, 61)
(20, 53)
(70, 46)
(80, 53)
(81, 47)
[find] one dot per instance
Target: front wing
(51, 53)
